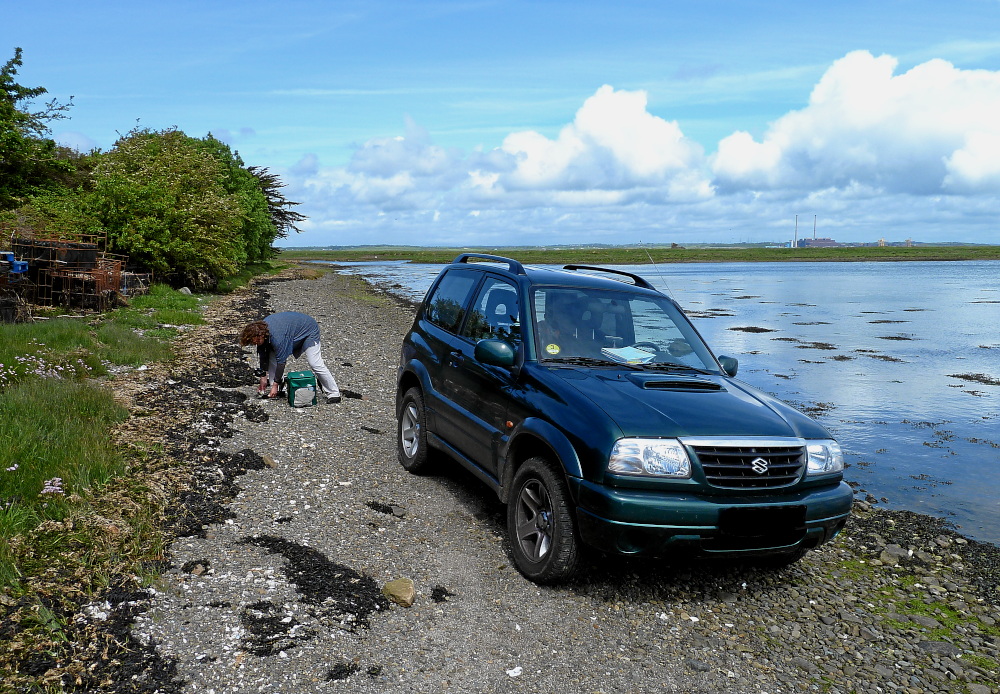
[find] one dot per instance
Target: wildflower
(12, 467)
(52, 486)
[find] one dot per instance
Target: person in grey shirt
(283, 335)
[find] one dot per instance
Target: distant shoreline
(642, 255)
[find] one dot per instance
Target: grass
(56, 458)
(622, 255)
(358, 290)
(54, 450)
(121, 345)
(228, 284)
(79, 508)
(161, 297)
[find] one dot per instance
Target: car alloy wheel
(540, 523)
(411, 442)
(409, 430)
(534, 520)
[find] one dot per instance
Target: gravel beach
(297, 519)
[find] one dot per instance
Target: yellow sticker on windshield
(552, 349)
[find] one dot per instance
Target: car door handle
(455, 358)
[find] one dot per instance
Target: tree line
(177, 205)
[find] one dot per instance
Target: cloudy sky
(479, 122)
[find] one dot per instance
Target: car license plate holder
(761, 521)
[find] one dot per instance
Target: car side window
(494, 313)
(446, 306)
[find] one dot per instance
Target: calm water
(874, 351)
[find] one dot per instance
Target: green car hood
(670, 405)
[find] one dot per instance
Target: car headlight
(659, 457)
(825, 457)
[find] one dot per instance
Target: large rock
(893, 554)
(925, 621)
(401, 591)
(939, 648)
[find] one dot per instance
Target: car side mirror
(730, 365)
(495, 353)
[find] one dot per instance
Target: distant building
(817, 243)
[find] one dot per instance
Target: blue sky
(499, 123)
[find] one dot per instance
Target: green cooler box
(301, 386)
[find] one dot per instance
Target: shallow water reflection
(901, 361)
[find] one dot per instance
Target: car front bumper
(628, 521)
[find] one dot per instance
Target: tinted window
(446, 306)
(494, 313)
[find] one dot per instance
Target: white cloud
(873, 153)
(923, 131)
(614, 143)
(976, 166)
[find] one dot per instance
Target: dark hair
(252, 332)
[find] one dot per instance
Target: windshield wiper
(671, 366)
(583, 361)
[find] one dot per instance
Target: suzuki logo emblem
(759, 465)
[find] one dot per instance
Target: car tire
(540, 523)
(411, 433)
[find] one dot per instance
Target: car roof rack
(512, 265)
(638, 281)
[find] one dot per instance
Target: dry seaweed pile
(270, 630)
(340, 593)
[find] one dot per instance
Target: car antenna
(657, 268)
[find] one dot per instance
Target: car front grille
(749, 464)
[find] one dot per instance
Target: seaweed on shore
(977, 378)
(346, 595)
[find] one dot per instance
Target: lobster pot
(301, 387)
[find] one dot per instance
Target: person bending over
(283, 335)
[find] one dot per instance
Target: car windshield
(615, 327)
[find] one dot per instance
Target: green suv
(588, 402)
